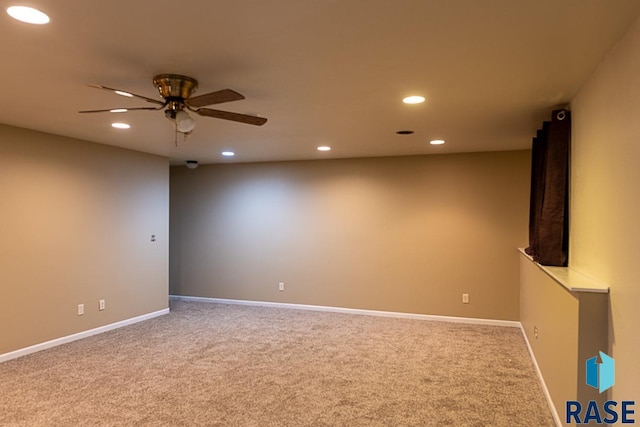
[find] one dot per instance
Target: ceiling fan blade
(122, 110)
(236, 117)
(126, 93)
(224, 95)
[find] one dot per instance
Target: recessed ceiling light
(415, 99)
(120, 125)
(118, 110)
(123, 93)
(436, 142)
(404, 132)
(28, 15)
(228, 153)
(324, 148)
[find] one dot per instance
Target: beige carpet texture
(208, 364)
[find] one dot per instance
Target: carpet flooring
(208, 364)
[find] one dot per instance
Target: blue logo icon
(601, 375)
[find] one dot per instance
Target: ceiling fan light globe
(184, 123)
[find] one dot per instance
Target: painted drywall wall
(404, 234)
(564, 329)
(548, 307)
(605, 207)
(75, 226)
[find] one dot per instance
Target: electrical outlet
(80, 309)
(281, 286)
(101, 305)
(535, 331)
(465, 298)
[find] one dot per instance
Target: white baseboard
(63, 340)
(545, 390)
(471, 320)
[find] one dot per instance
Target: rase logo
(600, 376)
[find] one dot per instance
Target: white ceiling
(324, 72)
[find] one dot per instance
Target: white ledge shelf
(571, 279)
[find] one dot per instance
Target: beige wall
(571, 327)
(406, 234)
(75, 226)
(554, 311)
(605, 202)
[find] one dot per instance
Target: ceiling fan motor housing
(175, 85)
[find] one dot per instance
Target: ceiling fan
(176, 91)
